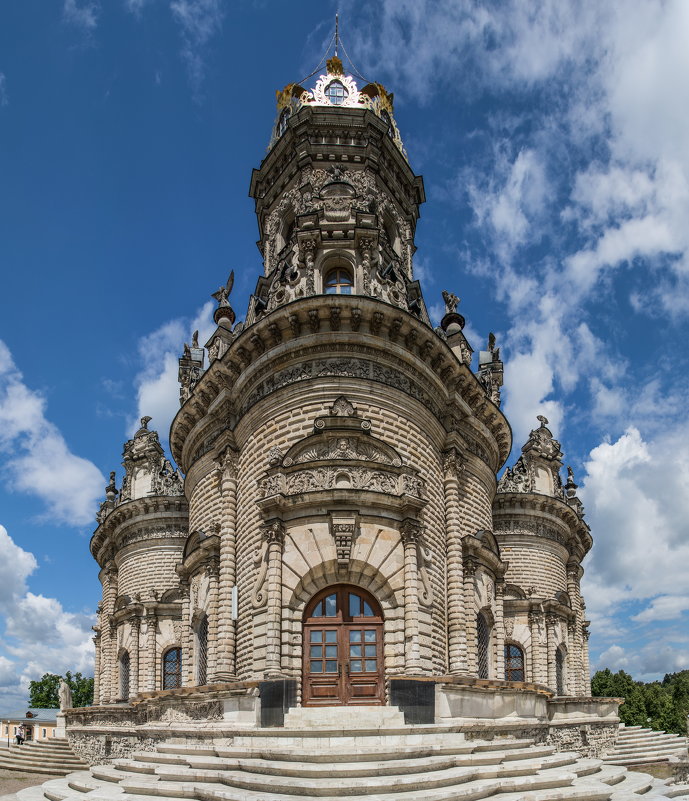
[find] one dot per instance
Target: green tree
(43, 694)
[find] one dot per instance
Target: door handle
(347, 668)
(339, 669)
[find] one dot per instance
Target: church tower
(339, 539)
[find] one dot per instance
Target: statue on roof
(223, 293)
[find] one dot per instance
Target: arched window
(124, 676)
(202, 651)
(336, 93)
(560, 671)
(483, 643)
(282, 121)
(514, 663)
(172, 668)
(338, 282)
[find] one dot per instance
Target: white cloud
(666, 607)
(37, 460)
(199, 21)
(84, 15)
(4, 97)
(157, 386)
(29, 619)
(135, 6)
(637, 505)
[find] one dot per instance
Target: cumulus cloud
(82, 15)
(36, 458)
(64, 637)
(157, 385)
(199, 22)
(637, 505)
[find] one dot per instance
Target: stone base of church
(473, 708)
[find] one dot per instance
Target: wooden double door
(343, 648)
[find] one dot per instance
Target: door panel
(343, 648)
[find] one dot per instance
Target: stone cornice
(397, 349)
(153, 515)
(516, 505)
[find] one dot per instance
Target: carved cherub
(451, 302)
(223, 293)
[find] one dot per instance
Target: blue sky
(552, 138)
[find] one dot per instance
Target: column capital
(410, 531)
(453, 464)
(274, 532)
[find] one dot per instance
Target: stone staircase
(638, 746)
(53, 758)
(411, 763)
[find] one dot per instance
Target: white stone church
(333, 595)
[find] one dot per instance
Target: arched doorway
(343, 648)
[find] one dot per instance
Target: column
(410, 533)
(187, 641)
(469, 568)
(225, 657)
(585, 660)
(575, 678)
(151, 655)
(96, 667)
(550, 623)
(134, 657)
(108, 690)
(499, 628)
(539, 659)
(456, 609)
(213, 613)
(274, 535)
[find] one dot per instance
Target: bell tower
(336, 200)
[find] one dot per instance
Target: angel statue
(223, 293)
(451, 302)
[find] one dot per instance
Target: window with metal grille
(124, 676)
(483, 642)
(336, 93)
(202, 651)
(514, 663)
(560, 671)
(172, 668)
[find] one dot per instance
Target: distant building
(39, 724)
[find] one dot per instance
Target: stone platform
(384, 761)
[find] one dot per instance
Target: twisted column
(456, 608)
(108, 691)
(225, 650)
(274, 535)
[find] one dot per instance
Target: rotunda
(335, 534)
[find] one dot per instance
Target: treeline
(661, 705)
(43, 693)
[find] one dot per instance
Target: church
(335, 525)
